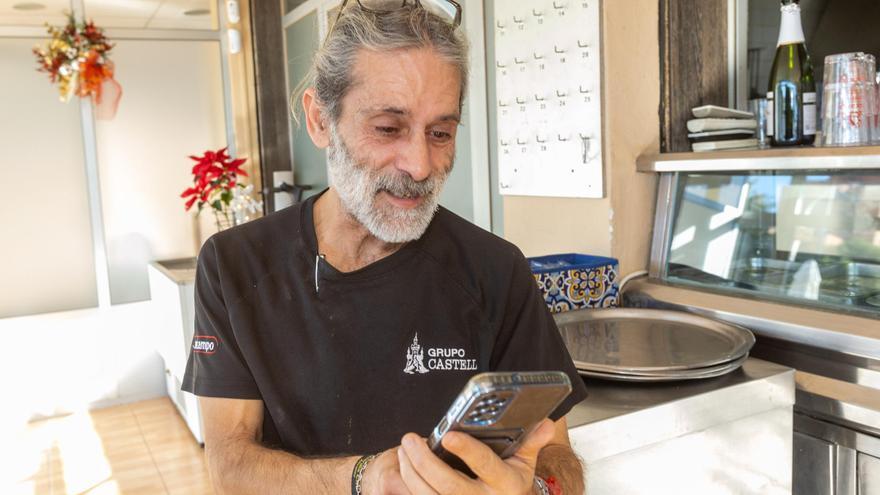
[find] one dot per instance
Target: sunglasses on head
(449, 10)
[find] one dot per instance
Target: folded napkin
(731, 144)
(702, 125)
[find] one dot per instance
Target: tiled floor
(140, 448)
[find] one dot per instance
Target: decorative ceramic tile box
(574, 281)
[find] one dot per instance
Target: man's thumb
(536, 440)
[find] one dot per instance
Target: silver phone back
(500, 409)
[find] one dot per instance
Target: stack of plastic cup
(875, 138)
(874, 114)
(850, 100)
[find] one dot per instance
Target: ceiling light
(28, 6)
(195, 12)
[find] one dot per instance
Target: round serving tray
(693, 371)
(670, 376)
(640, 341)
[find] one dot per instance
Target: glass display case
(785, 242)
(799, 236)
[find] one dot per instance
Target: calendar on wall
(549, 84)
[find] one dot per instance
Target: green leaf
(217, 205)
(226, 197)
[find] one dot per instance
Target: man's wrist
(357, 473)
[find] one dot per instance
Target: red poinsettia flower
(215, 176)
(234, 167)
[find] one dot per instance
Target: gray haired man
(344, 326)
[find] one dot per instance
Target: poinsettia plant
(215, 180)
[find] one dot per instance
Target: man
(347, 324)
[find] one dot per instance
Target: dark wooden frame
(273, 116)
(693, 64)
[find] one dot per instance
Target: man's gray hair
(402, 28)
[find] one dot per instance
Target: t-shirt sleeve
(528, 339)
(216, 366)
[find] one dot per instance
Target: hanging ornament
(76, 59)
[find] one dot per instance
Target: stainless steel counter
(837, 358)
(756, 387)
(731, 434)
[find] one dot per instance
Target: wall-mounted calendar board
(549, 86)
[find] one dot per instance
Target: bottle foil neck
(790, 28)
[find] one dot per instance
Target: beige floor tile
(125, 463)
(114, 487)
(178, 453)
(164, 408)
(111, 415)
(158, 414)
(182, 469)
(170, 440)
(159, 441)
(129, 449)
(180, 433)
(151, 406)
(192, 487)
(111, 431)
(170, 419)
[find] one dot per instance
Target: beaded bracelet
(547, 486)
(541, 487)
(357, 474)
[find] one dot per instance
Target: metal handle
(296, 190)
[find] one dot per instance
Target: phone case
(500, 409)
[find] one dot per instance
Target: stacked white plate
(652, 345)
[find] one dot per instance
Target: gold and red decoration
(77, 60)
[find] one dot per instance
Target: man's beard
(358, 186)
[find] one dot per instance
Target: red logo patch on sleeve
(205, 344)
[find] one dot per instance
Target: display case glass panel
(806, 237)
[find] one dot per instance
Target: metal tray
(670, 376)
(638, 341)
(692, 371)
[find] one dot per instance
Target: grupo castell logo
(439, 358)
(205, 344)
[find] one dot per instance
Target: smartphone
(500, 409)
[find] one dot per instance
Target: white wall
(172, 106)
(46, 261)
(619, 224)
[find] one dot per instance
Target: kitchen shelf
(801, 158)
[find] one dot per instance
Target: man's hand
(425, 473)
(382, 476)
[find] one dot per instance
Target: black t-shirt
(346, 363)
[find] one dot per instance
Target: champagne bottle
(791, 105)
